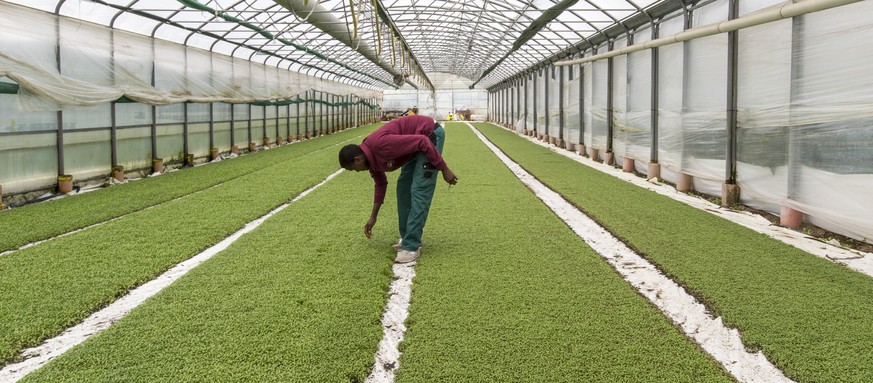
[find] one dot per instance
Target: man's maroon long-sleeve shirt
(393, 145)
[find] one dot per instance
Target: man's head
(351, 157)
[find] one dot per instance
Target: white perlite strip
(37, 357)
(856, 260)
(722, 343)
(388, 354)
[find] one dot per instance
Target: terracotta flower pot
(65, 183)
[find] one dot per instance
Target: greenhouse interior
(614, 190)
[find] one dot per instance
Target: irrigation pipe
(766, 15)
(717, 340)
(36, 357)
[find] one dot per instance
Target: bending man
(414, 143)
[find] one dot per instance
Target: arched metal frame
(449, 36)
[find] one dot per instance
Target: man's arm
(381, 185)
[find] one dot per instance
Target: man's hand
(450, 177)
(368, 228)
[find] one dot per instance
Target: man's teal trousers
(415, 189)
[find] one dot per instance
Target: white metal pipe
(766, 15)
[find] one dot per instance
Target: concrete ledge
(686, 182)
(730, 195)
(627, 164)
(790, 217)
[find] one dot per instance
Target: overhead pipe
(766, 15)
(321, 18)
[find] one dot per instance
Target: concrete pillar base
(214, 153)
(65, 183)
(654, 170)
(730, 195)
(157, 165)
(308, 135)
(234, 149)
(610, 158)
(291, 138)
(570, 146)
(686, 182)
(594, 154)
(539, 136)
(581, 150)
(266, 142)
(253, 147)
(547, 139)
(189, 159)
(627, 165)
(118, 173)
(280, 140)
(789, 217)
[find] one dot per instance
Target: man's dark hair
(348, 153)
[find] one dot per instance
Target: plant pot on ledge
(234, 149)
(214, 153)
(253, 147)
(65, 183)
(266, 142)
(157, 165)
(118, 173)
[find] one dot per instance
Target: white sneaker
(406, 256)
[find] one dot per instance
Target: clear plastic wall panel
(832, 121)
(170, 142)
(132, 114)
(426, 104)
(257, 124)
(13, 119)
(87, 154)
(170, 114)
(198, 112)
(99, 116)
(198, 79)
(198, 139)
(710, 13)
(221, 135)
(639, 107)
(671, 77)
(530, 106)
(258, 79)
(270, 113)
(37, 46)
(571, 109)
(284, 127)
(86, 52)
(587, 103)
(132, 65)
(241, 125)
(764, 96)
(28, 162)
(599, 128)
(555, 90)
(704, 121)
(749, 6)
(134, 147)
(444, 104)
(399, 100)
(619, 107)
(172, 70)
(540, 104)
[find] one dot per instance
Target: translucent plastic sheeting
(596, 135)
(639, 104)
(571, 108)
(805, 118)
(540, 104)
(554, 79)
(99, 65)
(619, 103)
